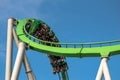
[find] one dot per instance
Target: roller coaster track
(93, 49)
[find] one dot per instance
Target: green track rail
(94, 49)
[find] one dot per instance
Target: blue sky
(72, 21)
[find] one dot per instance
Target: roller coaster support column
(100, 72)
(18, 61)
(65, 75)
(9, 49)
(103, 69)
(28, 69)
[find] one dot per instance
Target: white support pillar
(18, 61)
(106, 70)
(9, 49)
(100, 72)
(25, 60)
(103, 70)
(15, 37)
(28, 69)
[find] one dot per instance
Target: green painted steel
(98, 49)
(34, 26)
(94, 49)
(64, 76)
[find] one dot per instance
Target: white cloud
(20, 8)
(24, 8)
(17, 9)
